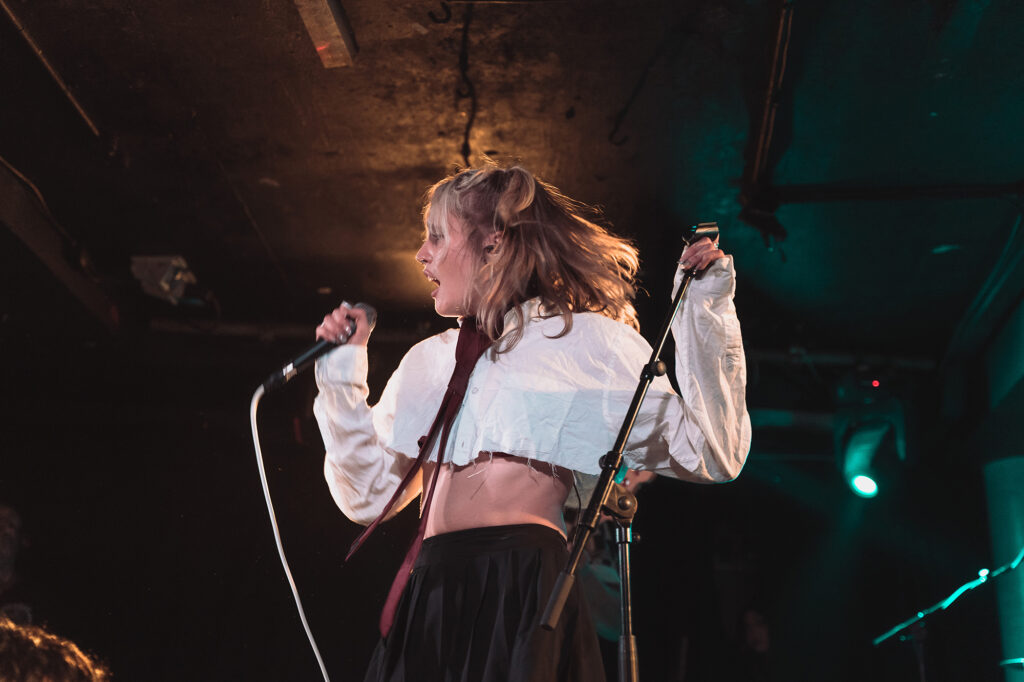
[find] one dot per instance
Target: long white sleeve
(704, 434)
(362, 474)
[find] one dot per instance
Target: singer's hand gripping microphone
(305, 359)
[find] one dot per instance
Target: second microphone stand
(613, 499)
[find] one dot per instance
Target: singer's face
(449, 262)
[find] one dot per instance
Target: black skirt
(471, 613)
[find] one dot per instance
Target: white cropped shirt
(555, 400)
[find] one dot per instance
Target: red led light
(876, 383)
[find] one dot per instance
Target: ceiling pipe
(755, 196)
(798, 356)
(798, 194)
(269, 333)
(49, 68)
(757, 170)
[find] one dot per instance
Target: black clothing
(471, 613)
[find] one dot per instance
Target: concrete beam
(328, 28)
(25, 215)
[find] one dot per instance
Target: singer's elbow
(357, 516)
(735, 456)
(730, 470)
(361, 511)
(356, 507)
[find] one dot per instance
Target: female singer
(544, 299)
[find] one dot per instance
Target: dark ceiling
(892, 167)
(865, 161)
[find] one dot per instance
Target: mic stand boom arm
(623, 506)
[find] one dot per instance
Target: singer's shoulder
(432, 347)
(589, 330)
(594, 323)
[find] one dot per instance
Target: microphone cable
(276, 380)
(253, 406)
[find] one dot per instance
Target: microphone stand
(914, 627)
(621, 505)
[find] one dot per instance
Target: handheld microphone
(308, 356)
(701, 230)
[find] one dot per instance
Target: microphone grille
(371, 313)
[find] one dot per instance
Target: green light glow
(864, 486)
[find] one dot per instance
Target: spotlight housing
(869, 431)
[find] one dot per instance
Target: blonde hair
(30, 653)
(545, 249)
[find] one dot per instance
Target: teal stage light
(864, 486)
(869, 431)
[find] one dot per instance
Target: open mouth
(433, 280)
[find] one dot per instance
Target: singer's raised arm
(362, 472)
(702, 435)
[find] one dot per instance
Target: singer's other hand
(700, 254)
(336, 323)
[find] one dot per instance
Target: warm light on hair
(545, 249)
(32, 654)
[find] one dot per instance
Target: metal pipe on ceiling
(49, 68)
(814, 193)
(757, 171)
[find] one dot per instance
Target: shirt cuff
(718, 280)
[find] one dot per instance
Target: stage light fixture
(870, 433)
(164, 277)
(864, 485)
(857, 449)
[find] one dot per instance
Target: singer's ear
(491, 241)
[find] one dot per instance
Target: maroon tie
(471, 345)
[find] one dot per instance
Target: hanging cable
(253, 406)
(444, 17)
(466, 89)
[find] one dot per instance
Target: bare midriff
(497, 490)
